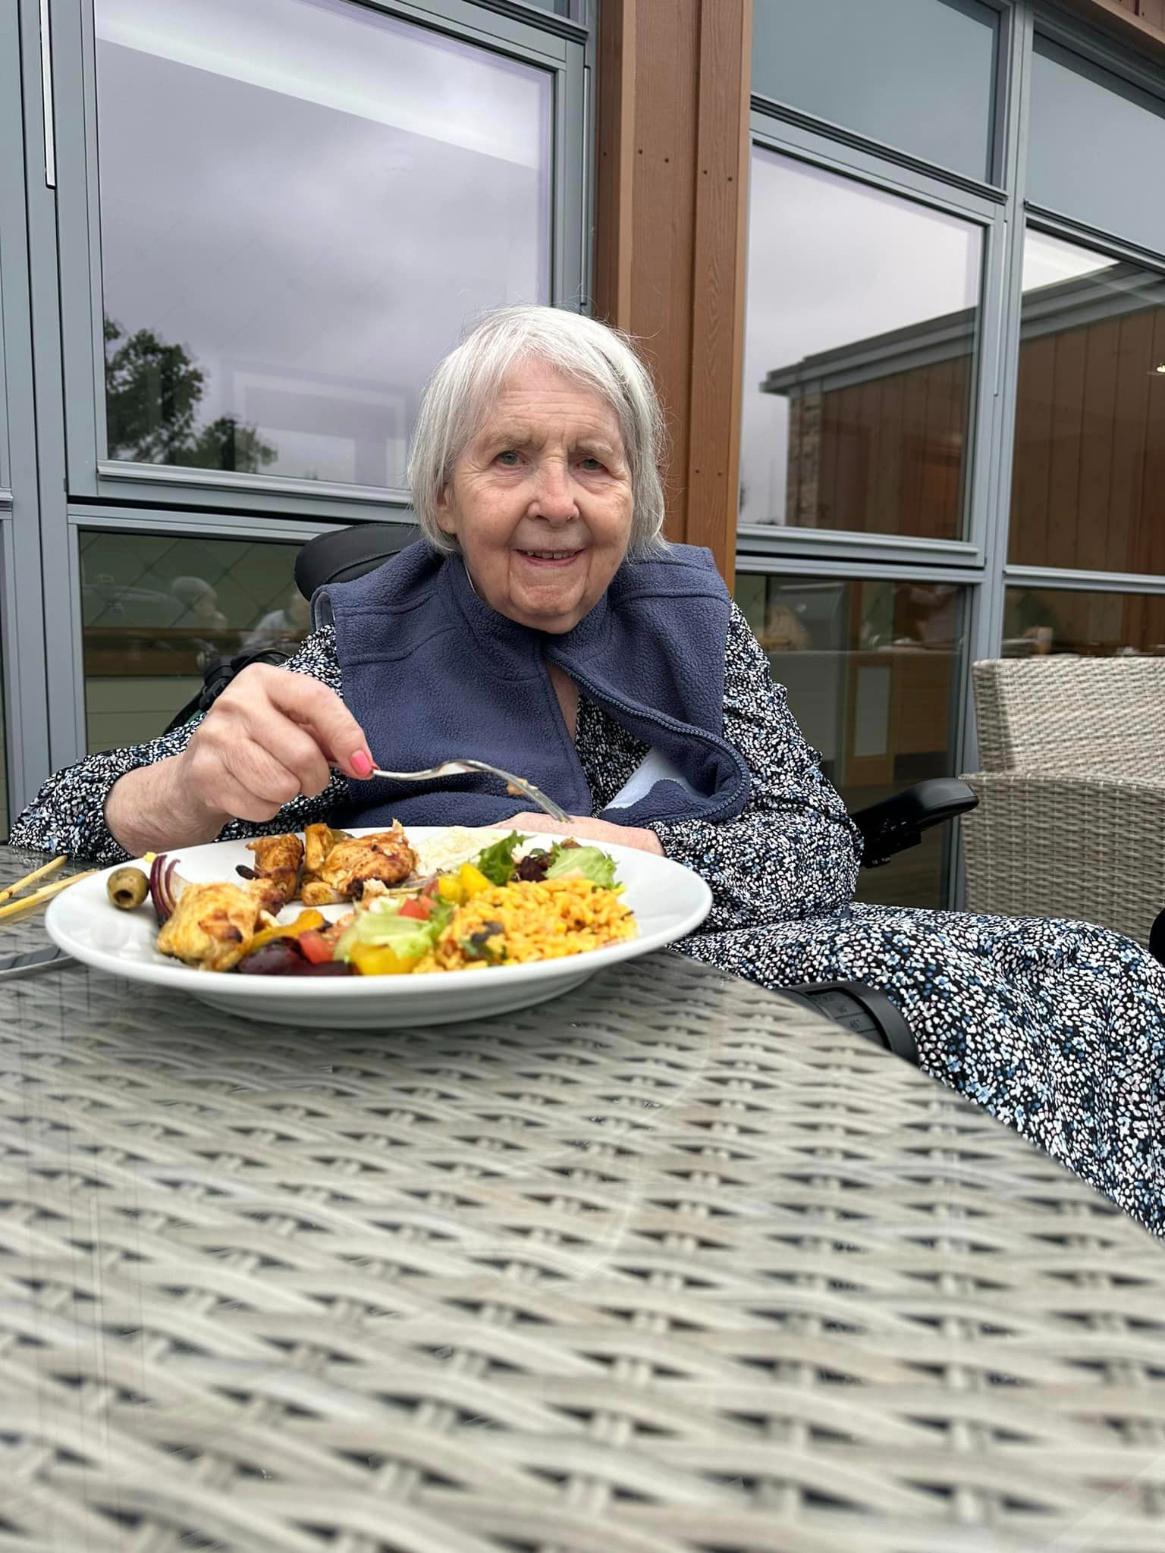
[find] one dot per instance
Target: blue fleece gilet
(431, 672)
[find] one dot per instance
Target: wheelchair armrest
(898, 822)
(861, 1009)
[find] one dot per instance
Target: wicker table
(665, 1266)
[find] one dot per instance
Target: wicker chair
(1071, 816)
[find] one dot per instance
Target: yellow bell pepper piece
(472, 881)
(380, 960)
(306, 922)
(448, 889)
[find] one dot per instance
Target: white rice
(454, 846)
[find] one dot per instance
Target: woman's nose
(554, 494)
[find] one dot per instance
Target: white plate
(668, 901)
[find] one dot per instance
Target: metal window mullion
(1077, 581)
(830, 544)
(138, 520)
(1072, 230)
(989, 626)
(25, 195)
(855, 569)
(785, 138)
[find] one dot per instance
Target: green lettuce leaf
(584, 863)
(408, 936)
(497, 862)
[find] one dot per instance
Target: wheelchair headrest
(344, 553)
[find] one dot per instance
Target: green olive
(127, 888)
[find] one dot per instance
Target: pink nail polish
(362, 763)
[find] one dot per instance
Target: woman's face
(540, 500)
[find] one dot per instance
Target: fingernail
(362, 763)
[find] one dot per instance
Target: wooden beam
(615, 163)
(720, 245)
(669, 238)
(1139, 24)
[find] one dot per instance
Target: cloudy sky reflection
(832, 262)
(315, 218)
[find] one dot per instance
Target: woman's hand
(584, 827)
(269, 737)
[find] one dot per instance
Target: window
(303, 202)
(1088, 476)
(918, 74)
(872, 670)
(862, 312)
(1096, 147)
(158, 609)
(1091, 623)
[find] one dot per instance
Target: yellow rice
(542, 920)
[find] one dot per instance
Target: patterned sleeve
(793, 852)
(68, 813)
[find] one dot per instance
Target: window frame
(887, 152)
(552, 43)
(970, 580)
(162, 523)
(23, 121)
(983, 209)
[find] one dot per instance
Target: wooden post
(720, 243)
(672, 143)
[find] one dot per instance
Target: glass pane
(303, 202)
(157, 610)
(872, 670)
(1088, 481)
(1037, 621)
(862, 314)
(1096, 147)
(915, 73)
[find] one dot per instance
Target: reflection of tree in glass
(152, 392)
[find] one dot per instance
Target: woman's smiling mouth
(550, 557)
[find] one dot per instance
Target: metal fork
(465, 767)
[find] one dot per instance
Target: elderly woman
(542, 625)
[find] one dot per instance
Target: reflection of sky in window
(832, 262)
(315, 200)
(1049, 260)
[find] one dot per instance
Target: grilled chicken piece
(279, 861)
(212, 924)
(318, 841)
(338, 866)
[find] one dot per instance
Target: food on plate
(212, 925)
(338, 867)
(279, 860)
(516, 923)
(127, 888)
(505, 905)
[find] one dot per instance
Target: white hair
(593, 354)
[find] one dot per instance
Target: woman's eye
(591, 465)
(508, 459)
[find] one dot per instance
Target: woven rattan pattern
(1103, 715)
(1071, 817)
(663, 1266)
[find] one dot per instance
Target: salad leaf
(406, 936)
(585, 863)
(497, 862)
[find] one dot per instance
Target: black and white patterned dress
(1056, 1028)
